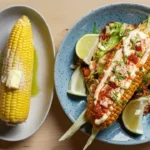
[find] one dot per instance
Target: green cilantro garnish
(122, 87)
(119, 76)
(124, 103)
(106, 82)
(114, 70)
(125, 59)
(145, 80)
(115, 96)
(99, 70)
(121, 103)
(129, 73)
(126, 32)
(120, 63)
(139, 54)
(139, 89)
(135, 40)
(95, 30)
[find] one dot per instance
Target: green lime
(86, 47)
(77, 85)
(133, 113)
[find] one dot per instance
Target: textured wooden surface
(61, 15)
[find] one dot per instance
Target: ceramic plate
(40, 104)
(72, 105)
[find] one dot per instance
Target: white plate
(44, 46)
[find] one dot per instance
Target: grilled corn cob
(109, 104)
(109, 100)
(16, 74)
(117, 108)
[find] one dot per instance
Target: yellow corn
(18, 56)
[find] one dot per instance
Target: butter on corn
(14, 79)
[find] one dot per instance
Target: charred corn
(120, 80)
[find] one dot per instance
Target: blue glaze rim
(82, 19)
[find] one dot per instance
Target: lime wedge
(86, 47)
(77, 85)
(132, 115)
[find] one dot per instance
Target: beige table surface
(61, 15)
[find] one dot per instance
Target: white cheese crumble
(127, 41)
(91, 66)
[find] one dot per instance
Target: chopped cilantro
(94, 99)
(108, 30)
(148, 75)
(122, 87)
(100, 69)
(95, 31)
(126, 32)
(119, 76)
(125, 59)
(139, 54)
(121, 103)
(115, 27)
(121, 63)
(135, 40)
(139, 89)
(87, 87)
(115, 96)
(114, 70)
(106, 82)
(124, 103)
(145, 80)
(129, 73)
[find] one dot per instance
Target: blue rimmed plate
(72, 105)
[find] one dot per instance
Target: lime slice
(77, 85)
(86, 46)
(132, 115)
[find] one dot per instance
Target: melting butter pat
(14, 79)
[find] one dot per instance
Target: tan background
(61, 15)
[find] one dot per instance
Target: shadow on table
(6, 144)
(78, 141)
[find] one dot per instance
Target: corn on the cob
(107, 107)
(16, 74)
(117, 109)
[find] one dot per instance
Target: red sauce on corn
(86, 72)
(113, 84)
(133, 58)
(97, 111)
(138, 48)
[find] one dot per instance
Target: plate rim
(54, 55)
(60, 49)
